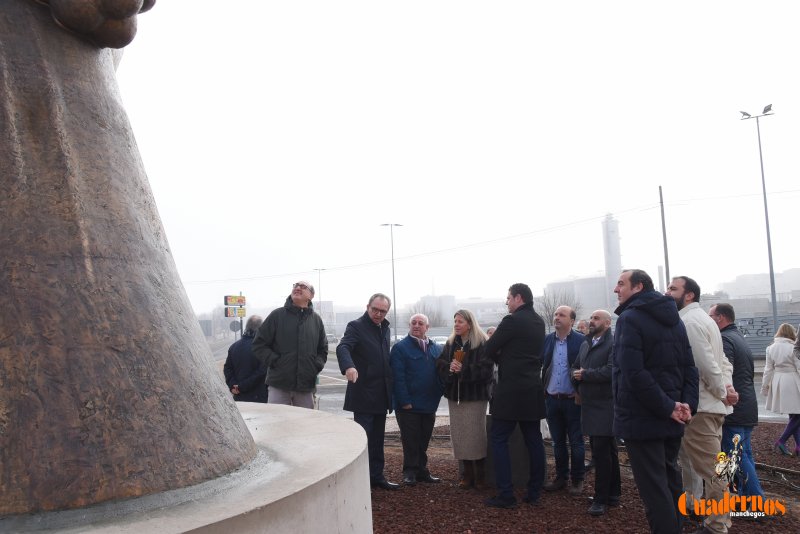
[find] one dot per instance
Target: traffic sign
(235, 312)
(234, 300)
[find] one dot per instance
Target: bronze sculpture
(107, 389)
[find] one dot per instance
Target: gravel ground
(443, 508)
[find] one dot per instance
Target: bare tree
(551, 300)
(434, 315)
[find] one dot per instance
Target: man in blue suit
(559, 352)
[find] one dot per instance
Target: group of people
(673, 382)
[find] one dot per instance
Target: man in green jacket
(293, 345)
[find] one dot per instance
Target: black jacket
(293, 345)
(365, 346)
(745, 412)
(597, 401)
(516, 347)
(652, 368)
(475, 378)
(243, 369)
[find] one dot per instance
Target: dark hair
(689, 284)
(379, 296)
(638, 276)
(522, 290)
(572, 314)
(726, 310)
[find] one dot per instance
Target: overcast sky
(278, 136)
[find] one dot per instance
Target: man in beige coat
(701, 440)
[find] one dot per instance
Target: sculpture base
(311, 475)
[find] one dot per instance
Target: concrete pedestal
(311, 475)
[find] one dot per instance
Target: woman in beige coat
(781, 385)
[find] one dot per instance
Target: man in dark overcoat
(363, 355)
(655, 385)
(244, 374)
(518, 398)
(592, 376)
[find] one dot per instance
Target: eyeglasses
(378, 311)
(301, 286)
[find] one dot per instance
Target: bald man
(592, 379)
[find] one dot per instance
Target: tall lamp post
(394, 296)
(319, 290)
(745, 116)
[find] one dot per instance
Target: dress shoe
(501, 502)
(781, 448)
(612, 501)
(533, 501)
(409, 480)
(558, 483)
(589, 465)
(576, 488)
(385, 484)
(427, 477)
(597, 509)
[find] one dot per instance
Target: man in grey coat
(592, 378)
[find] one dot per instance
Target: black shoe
(409, 480)
(501, 502)
(533, 501)
(613, 500)
(558, 483)
(384, 484)
(589, 465)
(597, 509)
(427, 477)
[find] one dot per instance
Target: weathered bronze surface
(107, 388)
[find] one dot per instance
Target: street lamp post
(319, 290)
(394, 296)
(745, 116)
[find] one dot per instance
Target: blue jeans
(532, 434)
(747, 482)
(564, 420)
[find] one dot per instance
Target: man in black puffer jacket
(655, 385)
(293, 345)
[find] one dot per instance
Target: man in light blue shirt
(559, 351)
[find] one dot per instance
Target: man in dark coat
(655, 385)
(592, 377)
(244, 374)
(745, 412)
(518, 397)
(293, 345)
(363, 355)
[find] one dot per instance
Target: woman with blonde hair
(781, 385)
(467, 375)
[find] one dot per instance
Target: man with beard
(703, 433)
(592, 376)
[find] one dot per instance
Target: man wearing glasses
(363, 355)
(293, 345)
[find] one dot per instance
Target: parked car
(440, 340)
